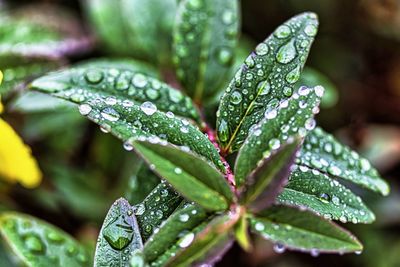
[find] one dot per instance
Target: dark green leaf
(169, 232)
(141, 184)
(316, 191)
(203, 244)
(293, 117)
(156, 208)
(302, 230)
(323, 152)
(133, 27)
(265, 183)
(119, 236)
(266, 77)
(205, 36)
(37, 243)
(118, 80)
(191, 176)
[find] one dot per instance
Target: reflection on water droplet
(110, 114)
(286, 53)
(148, 108)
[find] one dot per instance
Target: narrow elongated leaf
(201, 244)
(323, 152)
(156, 208)
(205, 32)
(119, 236)
(293, 117)
(169, 232)
(126, 120)
(327, 197)
(266, 77)
(41, 39)
(145, 26)
(302, 230)
(141, 184)
(265, 183)
(97, 80)
(185, 172)
(37, 243)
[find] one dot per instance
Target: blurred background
(356, 53)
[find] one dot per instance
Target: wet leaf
(204, 244)
(265, 183)
(121, 80)
(205, 32)
(141, 184)
(37, 243)
(325, 196)
(291, 228)
(321, 151)
(145, 26)
(266, 77)
(169, 232)
(119, 236)
(291, 118)
(156, 208)
(186, 172)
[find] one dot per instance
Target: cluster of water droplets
(267, 77)
(37, 240)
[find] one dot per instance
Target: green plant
(267, 168)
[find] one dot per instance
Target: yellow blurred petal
(16, 161)
(1, 105)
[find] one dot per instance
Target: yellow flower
(16, 161)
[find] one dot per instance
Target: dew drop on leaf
(279, 248)
(148, 108)
(282, 32)
(236, 97)
(110, 114)
(286, 53)
(184, 217)
(118, 233)
(94, 76)
(186, 240)
(224, 56)
(259, 226)
(84, 109)
(262, 49)
(34, 244)
(310, 30)
(223, 132)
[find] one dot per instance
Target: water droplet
(34, 244)
(111, 100)
(77, 98)
(236, 97)
(279, 248)
(223, 131)
(282, 32)
(175, 96)
(118, 232)
(55, 237)
(148, 108)
(310, 124)
(274, 143)
(178, 170)
(287, 91)
(110, 114)
(195, 4)
(365, 165)
(152, 94)
(122, 83)
(262, 49)
(314, 252)
(94, 76)
(184, 129)
(186, 240)
(263, 87)
(140, 209)
(324, 198)
(184, 217)
(310, 30)
(228, 17)
(224, 56)
(335, 200)
(334, 170)
(286, 53)
(128, 146)
(319, 90)
(139, 80)
(271, 113)
(84, 109)
(259, 226)
(294, 75)
(249, 62)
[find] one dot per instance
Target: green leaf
(291, 228)
(118, 80)
(41, 39)
(144, 26)
(323, 152)
(37, 243)
(119, 236)
(186, 172)
(34, 102)
(293, 117)
(141, 184)
(242, 235)
(156, 208)
(266, 77)
(327, 197)
(204, 244)
(311, 77)
(206, 33)
(265, 183)
(168, 234)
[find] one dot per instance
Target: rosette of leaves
(284, 184)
